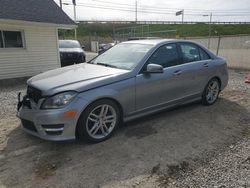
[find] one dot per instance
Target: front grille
(28, 125)
(34, 94)
(70, 55)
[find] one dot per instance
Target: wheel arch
(218, 78)
(99, 99)
(214, 77)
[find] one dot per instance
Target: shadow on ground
(161, 140)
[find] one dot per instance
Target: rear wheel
(211, 92)
(98, 121)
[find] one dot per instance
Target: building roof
(44, 11)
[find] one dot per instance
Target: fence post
(142, 30)
(114, 37)
(218, 45)
(148, 31)
(90, 39)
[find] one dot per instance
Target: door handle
(205, 64)
(178, 72)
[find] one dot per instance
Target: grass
(182, 30)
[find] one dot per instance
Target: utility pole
(135, 11)
(61, 4)
(210, 29)
(182, 19)
(181, 12)
(74, 4)
(63, 31)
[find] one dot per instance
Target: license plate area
(24, 102)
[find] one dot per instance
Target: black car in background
(71, 52)
(105, 47)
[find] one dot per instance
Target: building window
(11, 39)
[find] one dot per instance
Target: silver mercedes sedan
(132, 79)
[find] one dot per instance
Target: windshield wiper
(107, 65)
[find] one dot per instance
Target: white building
(29, 36)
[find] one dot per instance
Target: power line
(153, 11)
(125, 5)
(120, 9)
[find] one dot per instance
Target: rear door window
(190, 52)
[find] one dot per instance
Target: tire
(211, 92)
(98, 121)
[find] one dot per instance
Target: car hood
(66, 50)
(76, 77)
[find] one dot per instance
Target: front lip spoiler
(49, 138)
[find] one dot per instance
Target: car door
(154, 89)
(194, 69)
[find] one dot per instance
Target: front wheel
(98, 121)
(211, 92)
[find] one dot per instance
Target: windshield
(123, 56)
(69, 44)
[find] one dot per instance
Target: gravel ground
(227, 167)
(191, 146)
(8, 102)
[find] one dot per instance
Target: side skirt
(160, 108)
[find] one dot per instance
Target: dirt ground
(142, 153)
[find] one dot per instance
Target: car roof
(159, 42)
(150, 41)
(155, 41)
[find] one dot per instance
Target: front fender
(122, 92)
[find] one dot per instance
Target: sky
(159, 10)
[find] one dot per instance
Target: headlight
(59, 101)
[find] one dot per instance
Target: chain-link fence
(141, 32)
(236, 49)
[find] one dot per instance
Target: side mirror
(83, 46)
(154, 68)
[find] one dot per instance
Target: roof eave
(22, 22)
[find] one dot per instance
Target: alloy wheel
(101, 121)
(212, 91)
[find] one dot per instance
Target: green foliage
(183, 30)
